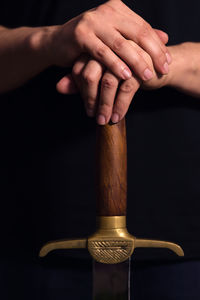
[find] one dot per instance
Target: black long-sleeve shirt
(47, 147)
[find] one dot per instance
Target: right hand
(103, 93)
(103, 33)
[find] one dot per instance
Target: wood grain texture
(111, 170)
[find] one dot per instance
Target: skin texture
(108, 98)
(102, 32)
(20, 57)
(89, 43)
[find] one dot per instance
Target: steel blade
(111, 282)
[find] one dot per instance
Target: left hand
(105, 95)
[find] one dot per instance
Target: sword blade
(111, 282)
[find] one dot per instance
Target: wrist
(180, 66)
(41, 41)
(186, 69)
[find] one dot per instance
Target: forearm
(184, 72)
(23, 54)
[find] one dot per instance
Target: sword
(111, 246)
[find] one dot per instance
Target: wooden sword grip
(111, 170)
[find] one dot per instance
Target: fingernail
(169, 59)
(126, 73)
(166, 68)
(101, 120)
(115, 118)
(148, 74)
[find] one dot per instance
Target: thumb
(162, 35)
(67, 85)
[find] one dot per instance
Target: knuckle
(147, 26)
(88, 78)
(116, 65)
(159, 55)
(105, 10)
(137, 60)
(105, 105)
(101, 52)
(145, 30)
(144, 33)
(147, 58)
(75, 70)
(141, 55)
(127, 87)
(120, 108)
(105, 108)
(108, 82)
(118, 43)
(79, 31)
(88, 17)
(90, 103)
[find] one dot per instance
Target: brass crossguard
(111, 243)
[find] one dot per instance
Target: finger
(109, 85)
(67, 85)
(146, 37)
(78, 68)
(90, 79)
(107, 57)
(124, 98)
(159, 35)
(148, 40)
(132, 55)
(162, 35)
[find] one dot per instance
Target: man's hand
(103, 33)
(184, 75)
(104, 94)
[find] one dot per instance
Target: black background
(47, 159)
